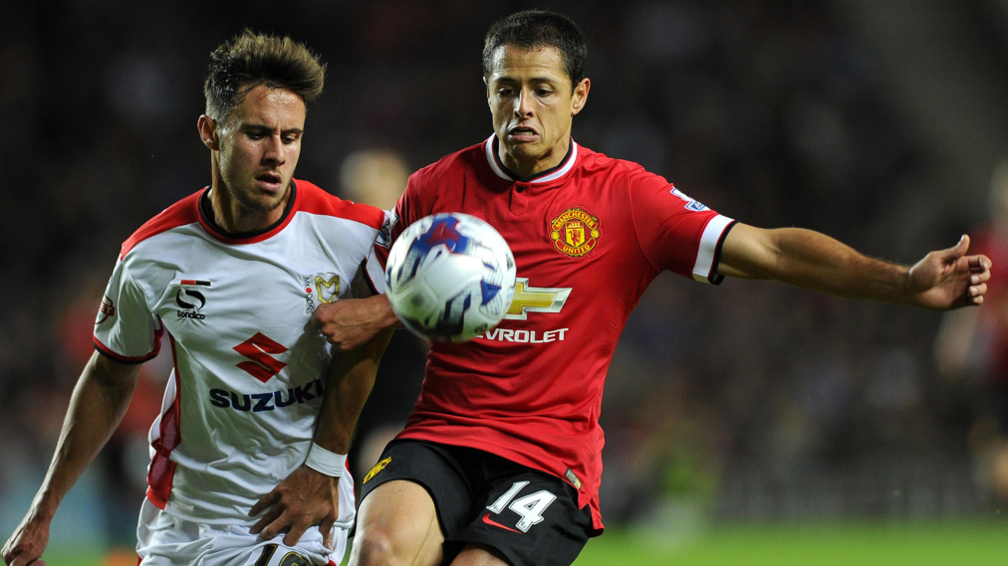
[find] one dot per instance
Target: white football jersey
(241, 407)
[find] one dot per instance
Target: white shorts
(165, 540)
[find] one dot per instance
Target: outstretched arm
(308, 497)
(944, 279)
(99, 401)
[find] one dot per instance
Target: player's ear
(580, 96)
(208, 132)
(486, 83)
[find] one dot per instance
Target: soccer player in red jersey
(500, 461)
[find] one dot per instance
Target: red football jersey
(993, 330)
(588, 236)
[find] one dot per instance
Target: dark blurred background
(878, 123)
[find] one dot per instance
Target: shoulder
(314, 200)
(621, 175)
(594, 162)
(182, 213)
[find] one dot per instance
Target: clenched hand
(949, 278)
(25, 546)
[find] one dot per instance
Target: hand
(947, 279)
(25, 546)
(348, 323)
(304, 499)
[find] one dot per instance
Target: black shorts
(530, 517)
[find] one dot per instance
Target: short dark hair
(253, 59)
(539, 28)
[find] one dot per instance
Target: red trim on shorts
(162, 469)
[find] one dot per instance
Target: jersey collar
(492, 145)
(206, 219)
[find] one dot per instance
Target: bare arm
(306, 496)
(350, 384)
(99, 402)
(944, 279)
(351, 322)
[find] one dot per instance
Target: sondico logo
(190, 301)
(531, 299)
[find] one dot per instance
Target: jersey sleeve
(374, 274)
(374, 265)
(125, 329)
(675, 231)
(407, 211)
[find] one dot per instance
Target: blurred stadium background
(751, 418)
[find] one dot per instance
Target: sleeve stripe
(112, 354)
(375, 274)
(704, 269)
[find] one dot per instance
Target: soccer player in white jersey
(247, 462)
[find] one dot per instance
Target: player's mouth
(272, 182)
(522, 134)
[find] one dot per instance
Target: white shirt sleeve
(126, 330)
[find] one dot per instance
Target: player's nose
(273, 150)
(523, 104)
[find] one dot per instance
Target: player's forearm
(814, 261)
(351, 378)
(350, 323)
(382, 315)
(97, 405)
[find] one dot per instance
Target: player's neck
(232, 216)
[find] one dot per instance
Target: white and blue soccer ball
(450, 277)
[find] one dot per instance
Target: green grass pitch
(952, 543)
(979, 543)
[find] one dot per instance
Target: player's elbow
(751, 253)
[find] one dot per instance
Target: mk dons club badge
(575, 232)
(320, 288)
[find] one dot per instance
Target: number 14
(529, 507)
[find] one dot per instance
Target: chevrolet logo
(535, 299)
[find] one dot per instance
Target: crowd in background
(737, 399)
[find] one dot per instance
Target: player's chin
(263, 202)
(525, 150)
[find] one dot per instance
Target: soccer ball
(450, 277)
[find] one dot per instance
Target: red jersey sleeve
(675, 231)
(406, 212)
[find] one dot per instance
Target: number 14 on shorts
(529, 507)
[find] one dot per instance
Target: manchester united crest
(575, 232)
